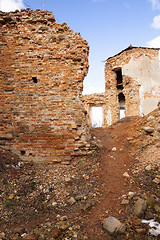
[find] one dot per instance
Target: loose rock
(71, 201)
(140, 207)
(156, 180)
(126, 175)
(113, 225)
(148, 129)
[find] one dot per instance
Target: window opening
(23, 152)
(119, 79)
(35, 80)
(97, 117)
(121, 99)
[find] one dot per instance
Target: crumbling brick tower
(42, 67)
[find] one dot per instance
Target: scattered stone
(30, 237)
(113, 225)
(19, 230)
(157, 208)
(63, 218)
(11, 196)
(54, 204)
(86, 177)
(67, 179)
(75, 235)
(156, 180)
(148, 129)
(125, 202)
(64, 226)
(80, 197)
(2, 235)
(131, 194)
(141, 231)
(140, 207)
(114, 149)
(148, 168)
(71, 201)
(126, 175)
(87, 207)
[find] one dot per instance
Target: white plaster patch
(155, 227)
(141, 98)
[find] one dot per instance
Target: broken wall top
(131, 48)
(39, 27)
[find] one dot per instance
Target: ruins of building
(42, 68)
(132, 84)
(93, 100)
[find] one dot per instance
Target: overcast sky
(109, 26)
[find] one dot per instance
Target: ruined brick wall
(132, 85)
(139, 84)
(93, 100)
(42, 67)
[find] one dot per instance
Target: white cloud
(156, 22)
(155, 4)
(154, 43)
(11, 5)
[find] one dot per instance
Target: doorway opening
(97, 116)
(119, 78)
(121, 99)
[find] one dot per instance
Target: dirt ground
(114, 160)
(35, 197)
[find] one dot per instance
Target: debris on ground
(119, 182)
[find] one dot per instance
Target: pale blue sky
(108, 26)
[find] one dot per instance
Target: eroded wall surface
(42, 67)
(132, 85)
(140, 79)
(93, 100)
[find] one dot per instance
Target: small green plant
(5, 182)
(8, 204)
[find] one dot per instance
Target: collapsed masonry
(132, 85)
(42, 67)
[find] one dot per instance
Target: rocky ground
(104, 196)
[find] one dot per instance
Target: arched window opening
(121, 99)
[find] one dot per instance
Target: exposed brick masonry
(42, 67)
(132, 85)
